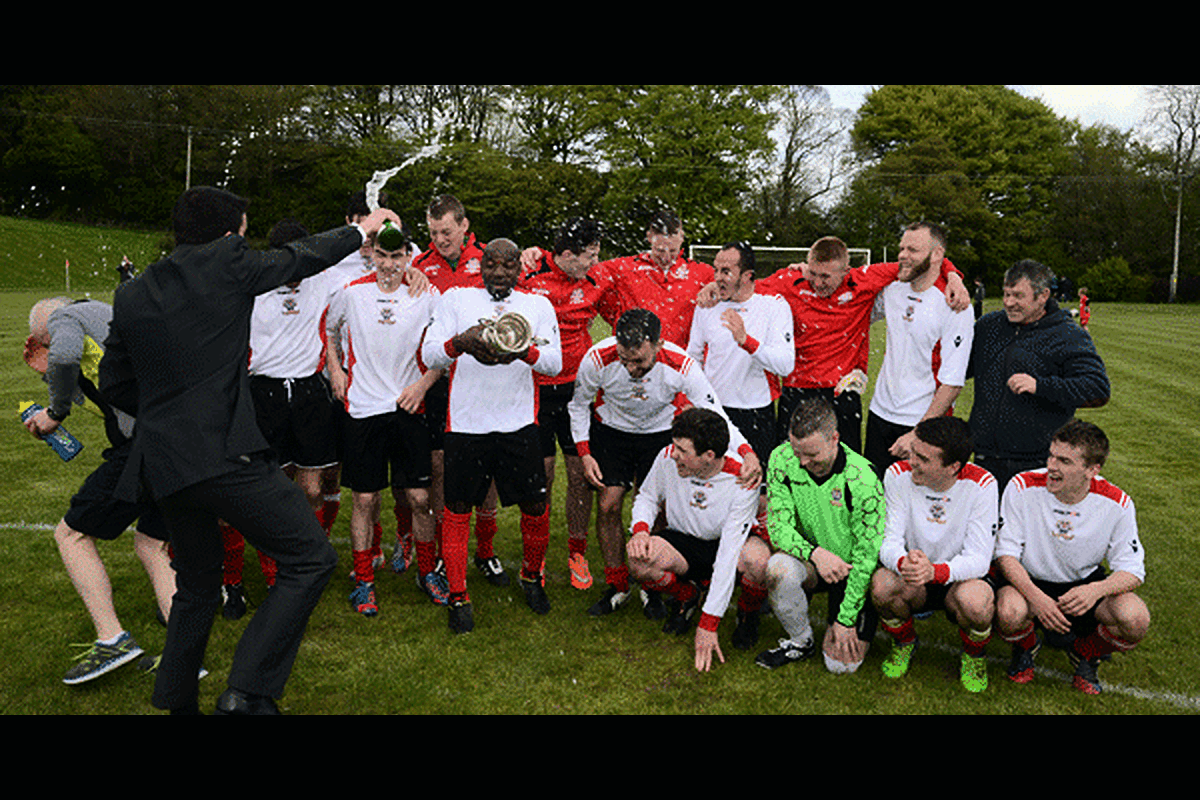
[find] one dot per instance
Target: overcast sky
(1119, 105)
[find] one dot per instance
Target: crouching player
(708, 518)
(825, 516)
(937, 546)
(1059, 526)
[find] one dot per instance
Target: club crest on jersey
(835, 498)
(937, 513)
(387, 315)
(845, 297)
(577, 297)
(681, 272)
(1063, 530)
(699, 500)
(472, 267)
(291, 306)
(909, 313)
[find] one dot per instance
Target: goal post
(771, 259)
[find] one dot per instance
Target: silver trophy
(510, 333)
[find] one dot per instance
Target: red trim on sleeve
(941, 574)
(750, 345)
(708, 623)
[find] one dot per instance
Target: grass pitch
(407, 662)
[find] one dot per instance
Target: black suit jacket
(177, 355)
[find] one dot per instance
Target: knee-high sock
(752, 597)
(235, 550)
(485, 532)
(786, 577)
(975, 642)
(535, 538)
(670, 585)
(456, 531)
(1102, 642)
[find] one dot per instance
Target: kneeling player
(937, 546)
(1060, 525)
(383, 392)
(709, 516)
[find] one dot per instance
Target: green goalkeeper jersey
(843, 513)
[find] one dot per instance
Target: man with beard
(491, 431)
(928, 349)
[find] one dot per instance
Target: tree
(1174, 121)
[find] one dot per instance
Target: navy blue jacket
(1058, 354)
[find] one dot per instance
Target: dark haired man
(1061, 524)
(575, 285)
(1033, 368)
(628, 389)
(176, 359)
(937, 546)
(694, 482)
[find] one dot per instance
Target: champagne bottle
(391, 238)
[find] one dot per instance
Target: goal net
(771, 259)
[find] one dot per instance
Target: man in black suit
(176, 358)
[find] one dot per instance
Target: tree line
(774, 165)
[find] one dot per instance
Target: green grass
(407, 662)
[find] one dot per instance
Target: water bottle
(61, 442)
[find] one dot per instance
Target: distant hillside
(34, 255)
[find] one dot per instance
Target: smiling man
(1033, 367)
(928, 349)
(628, 389)
(1062, 525)
(942, 515)
(492, 432)
(708, 521)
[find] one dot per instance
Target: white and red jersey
(500, 398)
(928, 345)
(287, 333)
(956, 528)
(1063, 543)
(745, 376)
(381, 340)
(715, 508)
(576, 302)
(605, 390)
(670, 294)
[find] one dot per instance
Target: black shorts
(1082, 625)
(700, 554)
(513, 460)
(296, 417)
(95, 512)
(387, 450)
(758, 426)
(554, 421)
(868, 618)
(625, 458)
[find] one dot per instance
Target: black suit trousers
(274, 516)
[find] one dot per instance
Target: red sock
(485, 532)
(577, 545)
(426, 557)
(270, 569)
(329, 510)
(403, 520)
(235, 549)
(1026, 639)
(971, 647)
(535, 537)
(1101, 642)
(377, 540)
(668, 584)
(364, 569)
(752, 597)
(456, 531)
(904, 633)
(617, 577)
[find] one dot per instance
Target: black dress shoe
(235, 703)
